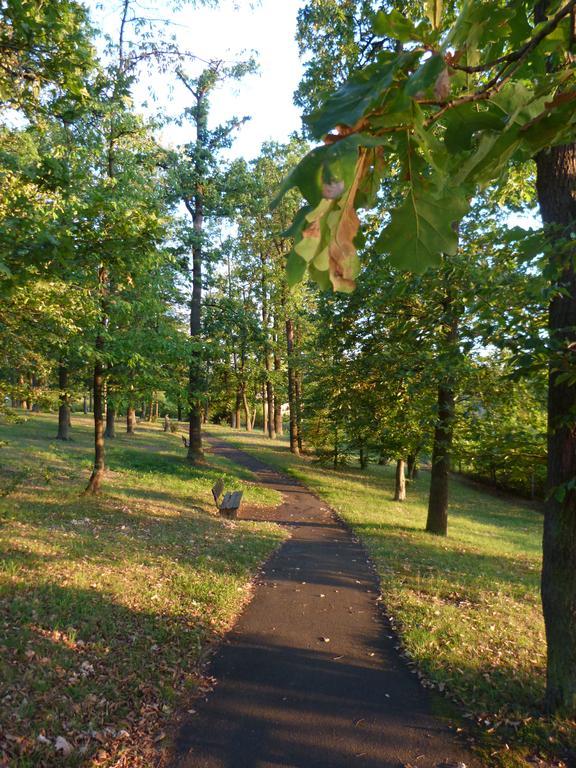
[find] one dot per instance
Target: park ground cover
(466, 607)
(108, 604)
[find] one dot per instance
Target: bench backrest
(217, 489)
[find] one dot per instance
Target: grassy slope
(107, 603)
(466, 607)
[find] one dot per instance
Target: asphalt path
(310, 677)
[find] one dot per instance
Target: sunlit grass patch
(108, 603)
(466, 607)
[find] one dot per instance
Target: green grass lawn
(466, 607)
(109, 603)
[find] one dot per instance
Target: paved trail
(309, 677)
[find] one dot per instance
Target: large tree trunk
(556, 185)
(437, 521)
(110, 430)
(64, 407)
(292, 410)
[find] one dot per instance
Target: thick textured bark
(166, 425)
(400, 484)
(64, 407)
(556, 185)
(292, 409)
(130, 421)
(437, 521)
(110, 430)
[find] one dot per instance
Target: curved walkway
(309, 677)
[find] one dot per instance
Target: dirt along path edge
(309, 677)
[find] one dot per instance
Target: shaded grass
(466, 607)
(108, 603)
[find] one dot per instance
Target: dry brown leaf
(342, 250)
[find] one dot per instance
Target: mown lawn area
(109, 603)
(466, 607)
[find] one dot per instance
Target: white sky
(232, 31)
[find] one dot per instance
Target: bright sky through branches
(232, 31)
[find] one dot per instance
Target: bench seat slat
(231, 500)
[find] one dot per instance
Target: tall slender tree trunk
(195, 207)
(270, 406)
(130, 420)
(278, 426)
(292, 409)
(98, 388)
(400, 484)
(269, 421)
(412, 466)
(237, 408)
(298, 404)
(85, 405)
(179, 407)
(110, 430)
(264, 410)
(437, 521)
(247, 412)
(298, 396)
(556, 185)
(64, 407)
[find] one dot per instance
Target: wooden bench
(230, 503)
